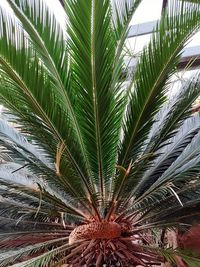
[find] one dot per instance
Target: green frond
(45, 258)
(171, 255)
(25, 85)
(33, 201)
(170, 153)
(9, 134)
(20, 150)
(89, 143)
(122, 12)
(13, 256)
(174, 113)
(92, 54)
(55, 60)
(148, 88)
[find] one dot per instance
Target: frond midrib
(96, 111)
(41, 112)
(151, 93)
(64, 93)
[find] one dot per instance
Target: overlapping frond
(123, 12)
(159, 60)
(55, 59)
(92, 54)
(33, 109)
(89, 146)
(12, 256)
(148, 94)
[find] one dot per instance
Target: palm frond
(45, 258)
(12, 256)
(17, 146)
(33, 199)
(27, 90)
(174, 256)
(101, 111)
(170, 153)
(122, 15)
(9, 134)
(160, 58)
(97, 160)
(55, 60)
(174, 113)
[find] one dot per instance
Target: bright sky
(148, 10)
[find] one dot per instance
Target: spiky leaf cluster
(89, 142)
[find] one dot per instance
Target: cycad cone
(95, 230)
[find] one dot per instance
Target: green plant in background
(101, 159)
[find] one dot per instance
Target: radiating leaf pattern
(94, 157)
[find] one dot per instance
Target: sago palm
(98, 159)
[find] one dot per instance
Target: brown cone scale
(95, 230)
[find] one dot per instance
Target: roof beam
(142, 28)
(190, 58)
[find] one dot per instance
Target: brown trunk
(96, 230)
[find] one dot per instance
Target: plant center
(95, 230)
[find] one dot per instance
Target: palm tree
(98, 160)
